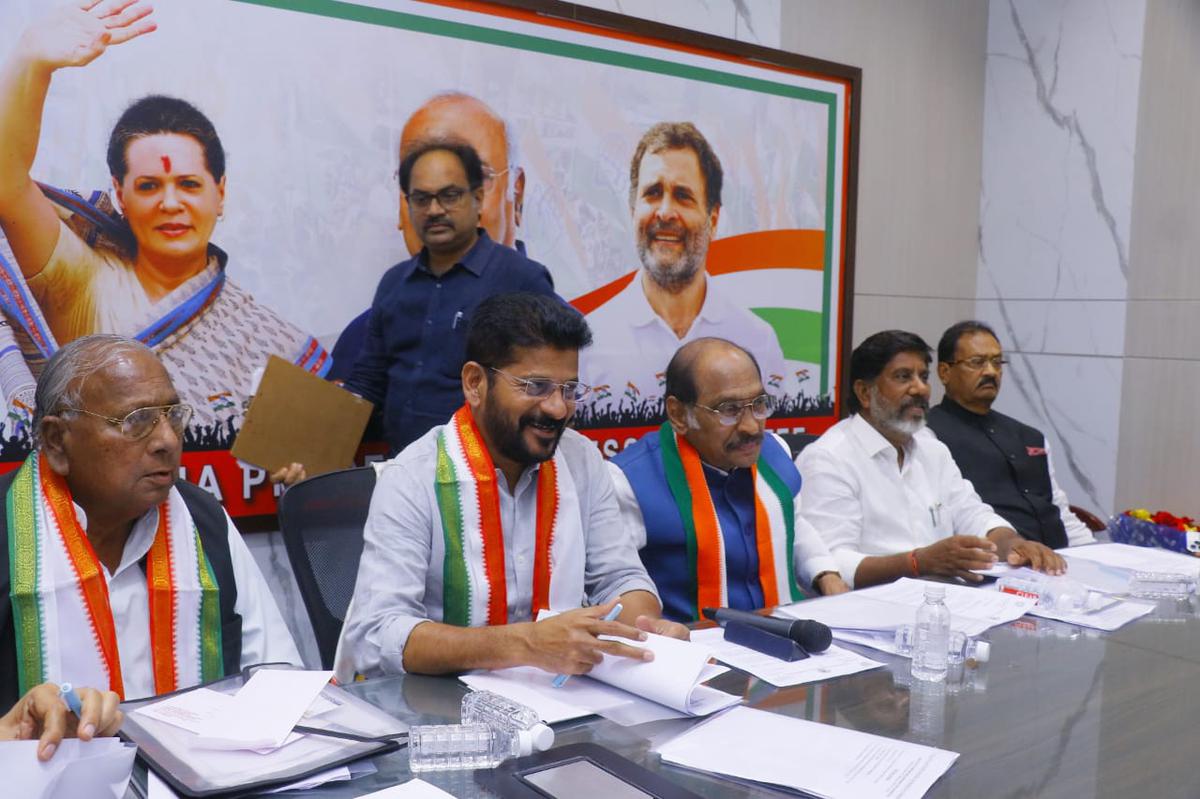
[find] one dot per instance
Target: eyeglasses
(539, 388)
(490, 175)
(979, 361)
(138, 424)
(730, 413)
(448, 198)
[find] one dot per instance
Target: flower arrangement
(1164, 519)
(1164, 530)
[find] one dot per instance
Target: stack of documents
(833, 662)
(818, 759)
(1131, 558)
(624, 690)
(96, 769)
(207, 740)
(870, 616)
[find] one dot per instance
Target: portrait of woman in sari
(146, 268)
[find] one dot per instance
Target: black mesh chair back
(322, 522)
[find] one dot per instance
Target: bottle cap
(537, 738)
(935, 590)
(983, 651)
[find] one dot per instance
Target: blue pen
(561, 679)
(71, 698)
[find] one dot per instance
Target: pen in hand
(68, 694)
(561, 679)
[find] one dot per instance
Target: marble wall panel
(1060, 327)
(1075, 400)
(1056, 208)
(1060, 123)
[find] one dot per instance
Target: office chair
(322, 522)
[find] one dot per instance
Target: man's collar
(959, 412)
(475, 261)
(139, 541)
(873, 441)
(640, 313)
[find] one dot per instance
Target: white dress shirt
(400, 575)
(634, 345)
(810, 554)
(265, 636)
(855, 493)
(1077, 532)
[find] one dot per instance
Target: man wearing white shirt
(675, 200)
(1006, 461)
(499, 514)
(115, 575)
(886, 494)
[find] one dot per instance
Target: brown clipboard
(296, 417)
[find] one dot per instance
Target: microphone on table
(813, 636)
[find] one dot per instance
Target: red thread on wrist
(912, 561)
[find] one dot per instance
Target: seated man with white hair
(116, 574)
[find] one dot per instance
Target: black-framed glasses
(138, 424)
(979, 361)
(539, 388)
(448, 198)
(730, 413)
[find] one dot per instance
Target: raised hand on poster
(77, 35)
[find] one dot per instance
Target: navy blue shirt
(415, 345)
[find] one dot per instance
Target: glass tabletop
(1059, 711)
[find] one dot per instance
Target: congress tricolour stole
(774, 527)
(468, 498)
(60, 593)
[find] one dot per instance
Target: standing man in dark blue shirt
(412, 359)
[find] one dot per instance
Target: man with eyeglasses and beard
(711, 499)
(114, 573)
(499, 514)
(1006, 461)
(413, 354)
(885, 493)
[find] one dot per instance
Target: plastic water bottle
(513, 718)
(927, 712)
(446, 747)
(1054, 594)
(962, 647)
(931, 643)
(1161, 585)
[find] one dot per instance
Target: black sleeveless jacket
(1006, 462)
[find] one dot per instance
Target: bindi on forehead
(166, 162)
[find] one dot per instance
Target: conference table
(1059, 711)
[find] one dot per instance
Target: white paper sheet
(1137, 558)
(263, 711)
(804, 755)
(885, 607)
(96, 769)
(833, 662)
(413, 789)
(1110, 618)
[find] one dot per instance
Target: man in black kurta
(1007, 461)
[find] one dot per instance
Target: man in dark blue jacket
(711, 499)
